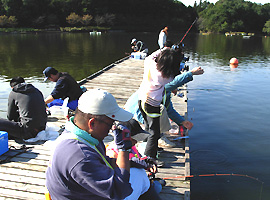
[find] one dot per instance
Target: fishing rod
(181, 89)
(188, 30)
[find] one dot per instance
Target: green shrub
(12, 21)
(86, 19)
(3, 20)
(266, 28)
(73, 19)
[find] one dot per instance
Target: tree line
(137, 15)
(133, 15)
(232, 15)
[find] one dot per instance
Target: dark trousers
(16, 130)
(150, 194)
(152, 125)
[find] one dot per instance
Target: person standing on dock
(138, 46)
(162, 37)
(66, 87)
(26, 111)
(157, 73)
(181, 79)
(79, 168)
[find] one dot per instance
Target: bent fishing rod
(188, 30)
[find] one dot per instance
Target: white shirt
(162, 39)
(152, 87)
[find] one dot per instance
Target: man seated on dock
(138, 46)
(26, 111)
(79, 168)
(66, 87)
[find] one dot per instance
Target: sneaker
(165, 142)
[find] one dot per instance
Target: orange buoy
(233, 63)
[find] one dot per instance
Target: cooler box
(3, 142)
(136, 55)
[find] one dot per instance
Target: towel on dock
(50, 133)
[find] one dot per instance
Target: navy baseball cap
(48, 71)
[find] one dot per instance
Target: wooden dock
(22, 171)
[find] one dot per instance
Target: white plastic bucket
(59, 111)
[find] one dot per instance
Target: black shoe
(159, 163)
(160, 150)
(153, 178)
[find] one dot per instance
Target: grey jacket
(26, 106)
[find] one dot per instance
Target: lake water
(229, 108)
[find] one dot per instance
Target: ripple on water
(210, 161)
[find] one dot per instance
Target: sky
(191, 2)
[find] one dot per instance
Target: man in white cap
(79, 168)
(138, 46)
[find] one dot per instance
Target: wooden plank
(6, 193)
(22, 179)
(25, 166)
(22, 172)
(23, 186)
(166, 196)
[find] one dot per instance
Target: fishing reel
(183, 66)
(180, 47)
(177, 47)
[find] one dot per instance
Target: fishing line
(201, 89)
(211, 175)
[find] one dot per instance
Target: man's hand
(152, 168)
(49, 99)
(174, 92)
(122, 138)
(187, 124)
(147, 164)
(197, 71)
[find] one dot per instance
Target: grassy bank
(60, 29)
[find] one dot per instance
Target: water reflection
(79, 54)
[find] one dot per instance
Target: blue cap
(48, 71)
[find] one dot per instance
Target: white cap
(133, 40)
(101, 102)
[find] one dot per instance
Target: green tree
(228, 15)
(266, 28)
(73, 19)
(99, 20)
(109, 19)
(86, 19)
(12, 21)
(3, 20)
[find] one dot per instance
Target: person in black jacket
(65, 87)
(26, 111)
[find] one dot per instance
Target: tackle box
(3, 142)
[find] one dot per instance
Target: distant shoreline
(53, 30)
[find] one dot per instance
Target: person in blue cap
(66, 87)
